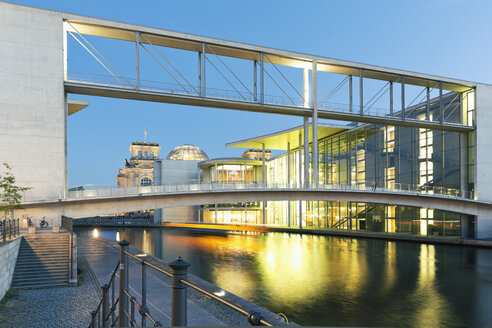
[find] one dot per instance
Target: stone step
(34, 258)
(42, 253)
(49, 278)
(36, 286)
(41, 269)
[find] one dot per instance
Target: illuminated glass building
(364, 156)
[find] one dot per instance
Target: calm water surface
(317, 280)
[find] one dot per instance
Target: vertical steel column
(179, 269)
(300, 177)
(402, 97)
(391, 98)
(200, 73)
(441, 105)
(123, 298)
(288, 164)
(314, 102)
(351, 97)
(361, 91)
(215, 213)
(289, 214)
(144, 292)
(264, 212)
(427, 105)
(255, 79)
(105, 306)
(203, 78)
(263, 171)
(137, 61)
(306, 152)
(262, 79)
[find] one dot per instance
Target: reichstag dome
(187, 153)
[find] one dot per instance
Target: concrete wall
(32, 102)
(8, 258)
(175, 172)
(483, 156)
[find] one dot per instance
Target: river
(334, 281)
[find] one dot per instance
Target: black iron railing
(106, 313)
(9, 229)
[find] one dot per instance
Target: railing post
(10, 228)
(93, 319)
(123, 298)
(179, 269)
(18, 227)
(105, 306)
(144, 293)
(4, 232)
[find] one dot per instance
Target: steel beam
(314, 102)
(361, 91)
(262, 79)
(402, 98)
(351, 98)
(441, 105)
(306, 152)
(427, 105)
(202, 66)
(391, 98)
(255, 79)
(137, 61)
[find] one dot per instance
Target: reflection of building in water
(139, 170)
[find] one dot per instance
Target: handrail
(127, 316)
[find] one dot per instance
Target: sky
(449, 38)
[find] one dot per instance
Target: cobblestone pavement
(51, 307)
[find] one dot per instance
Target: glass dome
(187, 153)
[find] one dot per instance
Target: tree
(10, 193)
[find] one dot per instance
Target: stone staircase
(43, 261)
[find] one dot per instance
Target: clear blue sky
(443, 37)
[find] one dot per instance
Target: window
(140, 154)
(151, 154)
(145, 181)
(145, 155)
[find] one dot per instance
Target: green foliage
(10, 193)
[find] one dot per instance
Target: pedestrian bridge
(86, 203)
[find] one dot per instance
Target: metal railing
(9, 229)
(172, 188)
(67, 224)
(129, 308)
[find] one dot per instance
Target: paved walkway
(103, 258)
(50, 307)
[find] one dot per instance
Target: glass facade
(374, 156)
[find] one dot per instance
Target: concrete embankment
(8, 257)
(102, 256)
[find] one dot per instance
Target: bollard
(105, 306)
(123, 298)
(144, 294)
(93, 319)
(179, 268)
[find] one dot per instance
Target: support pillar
(306, 152)
(391, 98)
(402, 97)
(262, 80)
(314, 103)
(202, 67)
(427, 105)
(263, 179)
(123, 298)
(255, 79)
(361, 91)
(351, 97)
(441, 105)
(137, 61)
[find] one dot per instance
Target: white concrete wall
(8, 258)
(32, 101)
(483, 156)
